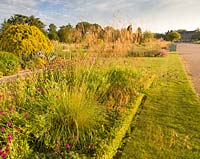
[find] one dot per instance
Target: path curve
(191, 55)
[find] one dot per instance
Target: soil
(191, 57)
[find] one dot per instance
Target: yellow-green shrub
(24, 41)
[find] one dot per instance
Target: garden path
(191, 57)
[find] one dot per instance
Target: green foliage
(9, 63)
(24, 41)
(22, 19)
(65, 33)
(52, 33)
(173, 36)
(148, 36)
(196, 36)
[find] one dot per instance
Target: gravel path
(191, 56)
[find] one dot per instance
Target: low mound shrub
(9, 63)
(24, 41)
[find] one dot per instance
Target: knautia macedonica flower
(3, 129)
(9, 124)
(26, 115)
(39, 89)
(7, 149)
(4, 155)
(11, 109)
(67, 146)
(10, 137)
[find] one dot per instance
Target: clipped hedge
(24, 41)
(109, 147)
(9, 63)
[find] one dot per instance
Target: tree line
(82, 32)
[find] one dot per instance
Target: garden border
(109, 149)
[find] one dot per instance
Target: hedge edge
(107, 151)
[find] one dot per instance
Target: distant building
(186, 36)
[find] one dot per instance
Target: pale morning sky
(153, 15)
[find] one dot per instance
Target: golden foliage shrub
(24, 41)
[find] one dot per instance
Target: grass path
(169, 124)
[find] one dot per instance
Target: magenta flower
(9, 124)
(67, 146)
(39, 89)
(1, 112)
(26, 115)
(11, 109)
(7, 149)
(10, 137)
(1, 152)
(4, 155)
(3, 129)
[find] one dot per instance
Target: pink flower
(163, 52)
(11, 109)
(3, 129)
(10, 137)
(1, 152)
(1, 112)
(9, 124)
(67, 146)
(39, 89)
(4, 155)
(1, 96)
(26, 115)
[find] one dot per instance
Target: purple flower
(26, 115)
(9, 124)
(67, 146)
(10, 137)
(3, 129)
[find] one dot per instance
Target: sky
(151, 15)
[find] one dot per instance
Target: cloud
(157, 15)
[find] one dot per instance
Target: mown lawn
(168, 126)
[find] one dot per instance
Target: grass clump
(9, 63)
